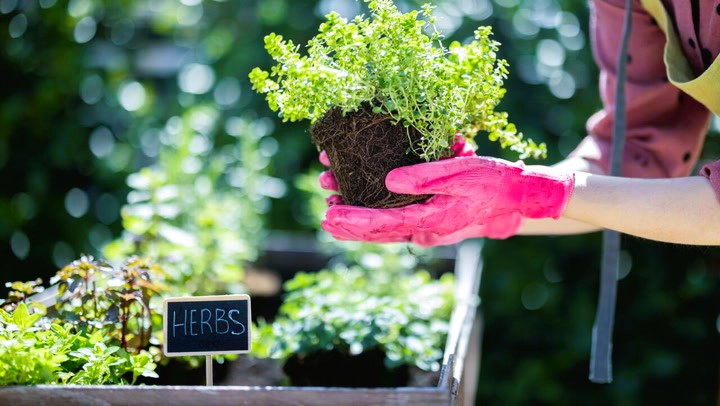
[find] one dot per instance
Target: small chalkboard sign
(207, 325)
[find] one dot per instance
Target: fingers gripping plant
(385, 77)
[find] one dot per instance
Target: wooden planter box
(456, 386)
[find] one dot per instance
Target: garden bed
(455, 385)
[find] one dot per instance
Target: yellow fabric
(704, 88)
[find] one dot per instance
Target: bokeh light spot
(550, 53)
(76, 202)
(17, 26)
(476, 9)
(346, 8)
(79, 8)
(132, 96)
(189, 16)
(567, 24)
(562, 85)
(85, 30)
(7, 6)
(625, 265)
(91, 89)
(62, 254)
(191, 165)
(269, 147)
(524, 25)
(574, 43)
(47, 3)
(107, 208)
(122, 32)
(534, 296)
(196, 78)
(102, 142)
(203, 120)
(227, 92)
(150, 142)
(235, 126)
(20, 244)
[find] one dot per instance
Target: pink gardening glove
(474, 196)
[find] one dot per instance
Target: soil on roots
(362, 148)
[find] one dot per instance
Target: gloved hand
(474, 196)
(327, 178)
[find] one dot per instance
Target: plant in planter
(34, 350)
(377, 324)
(381, 93)
(116, 301)
(97, 332)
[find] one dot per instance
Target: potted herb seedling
(384, 91)
(377, 324)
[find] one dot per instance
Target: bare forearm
(682, 210)
(560, 226)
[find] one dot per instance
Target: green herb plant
(37, 350)
(398, 64)
(19, 291)
(95, 296)
(99, 329)
(353, 310)
(199, 209)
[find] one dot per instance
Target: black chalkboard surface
(207, 325)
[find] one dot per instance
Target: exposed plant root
(363, 147)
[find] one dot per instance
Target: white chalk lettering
(204, 321)
(220, 318)
(193, 321)
(230, 316)
(176, 324)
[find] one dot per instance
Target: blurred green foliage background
(93, 91)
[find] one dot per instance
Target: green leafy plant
(199, 209)
(397, 64)
(37, 350)
(99, 329)
(19, 291)
(95, 296)
(351, 310)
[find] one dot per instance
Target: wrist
(546, 192)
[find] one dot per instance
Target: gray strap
(601, 355)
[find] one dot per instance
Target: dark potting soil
(336, 369)
(363, 147)
(329, 369)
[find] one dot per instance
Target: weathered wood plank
(70, 395)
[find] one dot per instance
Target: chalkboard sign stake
(208, 370)
(207, 325)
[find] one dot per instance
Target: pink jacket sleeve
(665, 127)
(712, 173)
